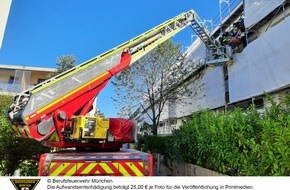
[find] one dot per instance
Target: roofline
(27, 68)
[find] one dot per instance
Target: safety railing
(226, 7)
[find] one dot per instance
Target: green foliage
(140, 144)
(28, 168)
(239, 142)
(14, 150)
(156, 143)
(63, 63)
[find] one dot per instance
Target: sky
(40, 31)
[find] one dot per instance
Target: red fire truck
(55, 112)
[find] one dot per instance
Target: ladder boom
(36, 100)
(48, 111)
(42, 111)
(54, 112)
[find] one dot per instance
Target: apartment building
(261, 66)
(15, 79)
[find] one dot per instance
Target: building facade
(260, 66)
(15, 79)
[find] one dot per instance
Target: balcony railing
(13, 88)
(225, 10)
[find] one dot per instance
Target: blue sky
(39, 31)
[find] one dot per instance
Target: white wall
(4, 12)
(256, 10)
(207, 91)
(263, 65)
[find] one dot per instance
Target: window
(40, 80)
(11, 80)
(259, 103)
(173, 121)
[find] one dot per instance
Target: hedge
(238, 142)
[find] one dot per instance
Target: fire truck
(55, 112)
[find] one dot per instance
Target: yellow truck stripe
(106, 168)
(135, 169)
(101, 168)
(88, 168)
(67, 169)
(123, 170)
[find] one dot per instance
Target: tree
(15, 151)
(63, 63)
(152, 81)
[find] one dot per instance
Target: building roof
(27, 68)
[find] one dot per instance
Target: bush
(14, 151)
(239, 142)
(156, 144)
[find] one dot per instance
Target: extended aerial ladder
(55, 111)
(216, 55)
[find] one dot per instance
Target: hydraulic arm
(52, 111)
(55, 111)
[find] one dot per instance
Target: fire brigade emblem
(24, 184)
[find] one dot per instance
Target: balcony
(16, 79)
(12, 88)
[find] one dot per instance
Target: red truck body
(125, 162)
(56, 112)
